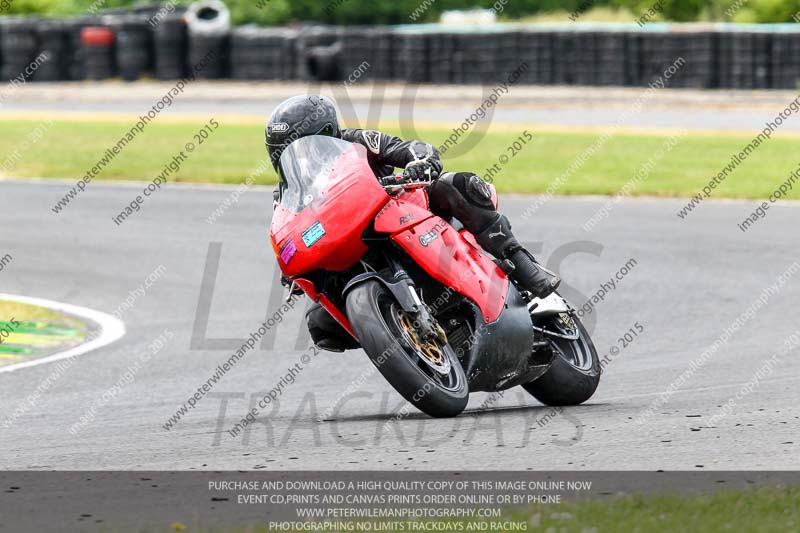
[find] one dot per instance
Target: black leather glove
(392, 180)
(420, 170)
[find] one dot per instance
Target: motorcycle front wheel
(426, 373)
(574, 373)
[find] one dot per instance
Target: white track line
(112, 329)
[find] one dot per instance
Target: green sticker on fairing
(314, 233)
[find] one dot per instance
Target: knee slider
(477, 191)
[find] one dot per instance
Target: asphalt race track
(691, 280)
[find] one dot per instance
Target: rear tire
(373, 312)
(574, 373)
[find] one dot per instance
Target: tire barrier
(659, 51)
(262, 53)
(209, 24)
(210, 17)
(563, 71)
(166, 41)
(53, 45)
(212, 50)
(19, 42)
(98, 52)
(317, 53)
(509, 59)
(76, 65)
(412, 58)
(322, 63)
(610, 49)
(171, 46)
(134, 46)
(745, 60)
(537, 49)
(366, 53)
(785, 57)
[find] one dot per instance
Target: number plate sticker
(314, 233)
(288, 251)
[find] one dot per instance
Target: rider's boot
(498, 240)
(326, 332)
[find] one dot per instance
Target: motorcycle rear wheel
(382, 329)
(575, 371)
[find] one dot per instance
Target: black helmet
(300, 116)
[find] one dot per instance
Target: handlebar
(390, 184)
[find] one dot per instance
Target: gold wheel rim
(429, 348)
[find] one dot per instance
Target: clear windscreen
(307, 168)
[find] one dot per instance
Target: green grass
(764, 510)
(70, 147)
(33, 331)
(752, 511)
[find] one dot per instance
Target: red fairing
(311, 292)
(355, 192)
(334, 209)
(398, 215)
(454, 261)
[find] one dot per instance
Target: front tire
(575, 371)
(378, 321)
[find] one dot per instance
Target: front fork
(424, 321)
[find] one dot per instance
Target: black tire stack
(729, 68)
(209, 39)
(76, 62)
(54, 45)
(566, 57)
(477, 59)
(20, 45)
(247, 63)
(585, 54)
(134, 49)
(536, 49)
(632, 60)
(412, 59)
(762, 59)
(744, 60)
(659, 50)
(212, 50)
(508, 57)
(468, 62)
(98, 52)
(381, 43)
(445, 53)
(698, 49)
(322, 63)
(786, 60)
(171, 45)
(262, 53)
(610, 55)
(366, 52)
(318, 53)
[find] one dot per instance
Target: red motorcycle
(434, 312)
